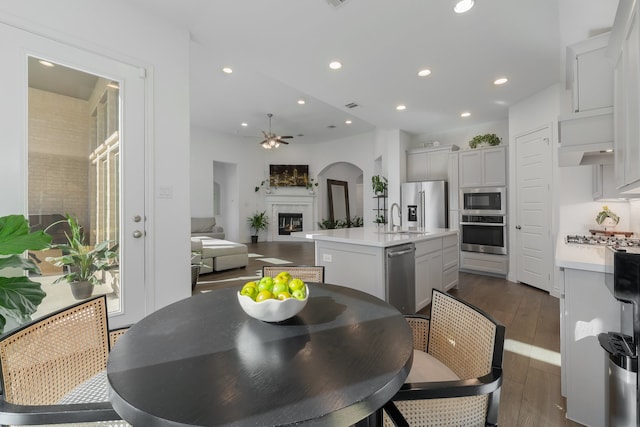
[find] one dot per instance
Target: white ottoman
(221, 254)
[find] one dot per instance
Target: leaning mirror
(338, 201)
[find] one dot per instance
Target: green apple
(279, 286)
(284, 276)
(299, 294)
(249, 290)
(296, 284)
(266, 284)
(283, 295)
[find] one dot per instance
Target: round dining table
(203, 361)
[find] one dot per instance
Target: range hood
(586, 137)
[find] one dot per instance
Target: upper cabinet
(428, 163)
(483, 167)
(586, 133)
(625, 49)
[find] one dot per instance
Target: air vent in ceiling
(351, 105)
(336, 3)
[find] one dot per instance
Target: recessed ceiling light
(463, 6)
(424, 73)
(500, 81)
(465, 114)
(227, 70)
(301, 101)
(335, 65)
(46, 63)
(244, 125)
(401, 107)
(348, 122)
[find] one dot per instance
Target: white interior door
(533, 208)
(127, 223)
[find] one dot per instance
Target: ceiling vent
(351, 105)
(336, 3)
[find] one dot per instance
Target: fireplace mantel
(290, 203)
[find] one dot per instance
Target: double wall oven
(483, 220)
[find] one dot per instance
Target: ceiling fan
(271, 140)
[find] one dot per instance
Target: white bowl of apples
(274, 299)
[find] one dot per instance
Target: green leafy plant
(19, 296)
(83, 260)
(310, 184)
(380, 219)
(379, 184)
(259, 186)
(489, 138)
(258, 221)
(606, 213)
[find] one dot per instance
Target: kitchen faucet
(393, 227)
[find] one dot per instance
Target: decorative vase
(609, 223)
(254, 239)
(82, 289)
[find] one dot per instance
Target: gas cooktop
(603, 240)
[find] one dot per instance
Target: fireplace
(289, 222)
(297, 209)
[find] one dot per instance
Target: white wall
(164, 52)
(252, 162)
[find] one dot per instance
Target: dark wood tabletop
(203, 361)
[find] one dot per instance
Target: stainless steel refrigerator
(425, 204)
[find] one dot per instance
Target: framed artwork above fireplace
(288, 175)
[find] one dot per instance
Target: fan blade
(281, 141)
(280, 137)
(262, 142)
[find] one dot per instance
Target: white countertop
(580, 257)
(374, 236)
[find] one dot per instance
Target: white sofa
(207, 227)
(218, 255)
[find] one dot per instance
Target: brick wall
(60, 135)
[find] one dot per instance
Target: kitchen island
(355, 257)
(587, 308)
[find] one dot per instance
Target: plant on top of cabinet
(379, 184)
(490, 139)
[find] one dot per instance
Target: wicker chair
(456, 375)
(54, 368)
(308, 273)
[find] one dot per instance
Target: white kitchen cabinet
(589, 74)
(450, 262)
(603, 184)
(454, 183)
(477, 262)
(483, 167)
(428, 270)
(585, 363)
(626, 47)
(428, 163)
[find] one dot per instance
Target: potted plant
(257, 222)
(379, 184)
(83, 261)
(490, 139)
(19, 295)
(607, 218)
(310, 184)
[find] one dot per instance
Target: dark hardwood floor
(531, 387)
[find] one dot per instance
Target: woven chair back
(420, 329)
(308, 273)
(44, 360)
(461, 337)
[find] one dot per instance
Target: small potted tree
(83, 261)
(19, 295)
(257, 222)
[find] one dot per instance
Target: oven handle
(490, 224)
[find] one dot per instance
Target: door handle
(137, 234)
(518, 227)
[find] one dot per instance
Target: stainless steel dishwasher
(400, 280)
